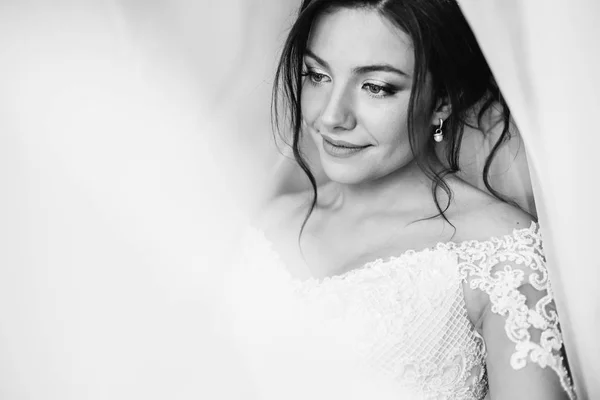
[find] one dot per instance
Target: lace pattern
(500, 267)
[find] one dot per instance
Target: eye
(316, 77)
(379, 91)
(375, 89)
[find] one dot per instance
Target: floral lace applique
(500, 267)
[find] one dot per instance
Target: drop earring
(439, 135)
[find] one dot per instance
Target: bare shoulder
(482, 216)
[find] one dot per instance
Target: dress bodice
(402, 321)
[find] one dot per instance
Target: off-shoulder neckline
(449, 245)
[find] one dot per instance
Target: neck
(406, 188)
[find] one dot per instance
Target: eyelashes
(374, 90)
(315, 78)
(380, 91)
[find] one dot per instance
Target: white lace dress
(395, 328)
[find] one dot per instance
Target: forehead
(354, 37)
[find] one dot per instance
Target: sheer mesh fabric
(405, 317)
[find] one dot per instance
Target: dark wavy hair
(444, 46)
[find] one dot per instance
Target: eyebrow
(362, 69)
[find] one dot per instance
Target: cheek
(310, 104)
(387, 125)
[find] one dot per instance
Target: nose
(338, 113)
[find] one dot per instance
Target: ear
(442, 110)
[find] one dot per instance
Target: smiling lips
(341, 149)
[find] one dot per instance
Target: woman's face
(358, 76)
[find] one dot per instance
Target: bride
(396, 272)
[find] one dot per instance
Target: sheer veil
(545, 57)
(123, 149)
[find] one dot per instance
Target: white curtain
(546, 57)
(134, 136)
